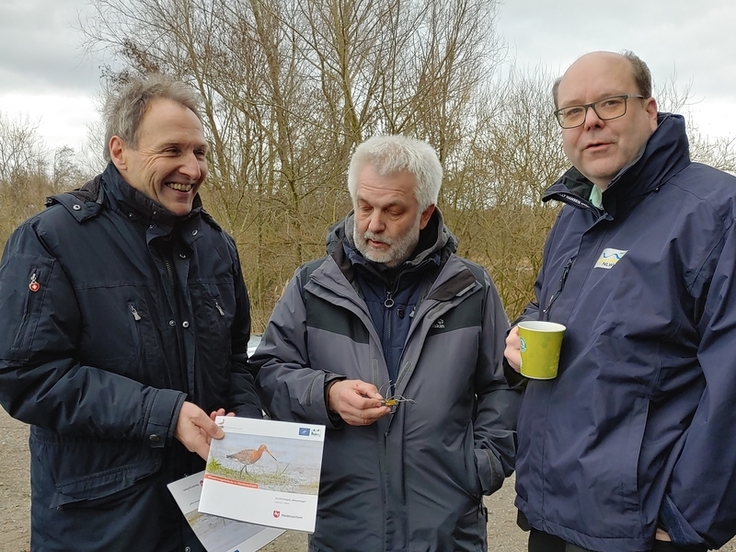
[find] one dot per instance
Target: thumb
(200, 419)
(212, 429)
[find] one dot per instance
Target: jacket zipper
(388, 304)
(135, 314)
(169, 272)
(563, 279)
(34, 287)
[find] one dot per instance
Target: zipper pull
(219, 308)
(34, 286)
(561, 286)
(389, 302)
(135, 314)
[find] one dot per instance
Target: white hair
(392, 154)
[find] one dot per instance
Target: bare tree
(290, 86)
(23, 182)
(719, 152)
(22, 151)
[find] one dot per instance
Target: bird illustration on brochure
(265, 472)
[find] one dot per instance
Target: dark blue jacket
(639, 428)
(112, 313)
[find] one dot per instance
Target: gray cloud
(41, 44)
(694, 41)
(41, 47)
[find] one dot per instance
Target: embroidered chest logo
(439, 324)
(610, 257)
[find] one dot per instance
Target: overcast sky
(44, 74)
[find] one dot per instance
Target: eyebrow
(581, 102)
(183, 144)
(386, 206)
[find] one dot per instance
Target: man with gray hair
(124, 324)
(395, 344)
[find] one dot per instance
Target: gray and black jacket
(415, 479)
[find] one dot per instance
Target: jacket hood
(665, 154)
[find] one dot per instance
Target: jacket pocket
(214, 317)
(85, 473)
(135, 330)
(34, 287)
(471, 464)
(129, 342)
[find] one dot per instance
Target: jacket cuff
(490, 471)
(676, 525)
(334, 418)
(162, 418)
(514, 379)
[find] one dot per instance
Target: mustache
(376, 238)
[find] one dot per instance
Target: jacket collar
(136, 205)
(665, 154)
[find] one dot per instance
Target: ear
(651, 108)
(426, 216)
(117, 152)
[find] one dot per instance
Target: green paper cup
(540, 348)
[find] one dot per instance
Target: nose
(193, 167)
(375, 222)
(591, 118)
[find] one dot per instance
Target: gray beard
(398, 251)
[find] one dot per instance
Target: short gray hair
(124, 110)
(392, 154)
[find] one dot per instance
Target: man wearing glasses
(633, 446)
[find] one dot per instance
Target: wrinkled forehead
(596, 76)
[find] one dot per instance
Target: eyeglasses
(608, 108)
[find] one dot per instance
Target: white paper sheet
(218, 534)
(264, 472)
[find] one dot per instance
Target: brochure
(218, 534)
(264, 472)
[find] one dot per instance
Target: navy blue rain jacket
(639, 428)
(112, 313)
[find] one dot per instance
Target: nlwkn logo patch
(610, 257)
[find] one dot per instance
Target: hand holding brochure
(264, 472)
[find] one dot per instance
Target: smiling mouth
(179, 187)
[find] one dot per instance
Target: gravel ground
(503, 534)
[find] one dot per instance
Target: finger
(372, 414)
(215, 413)
(366, 417)
(202, 448)
(365, 389)
(210, 428)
